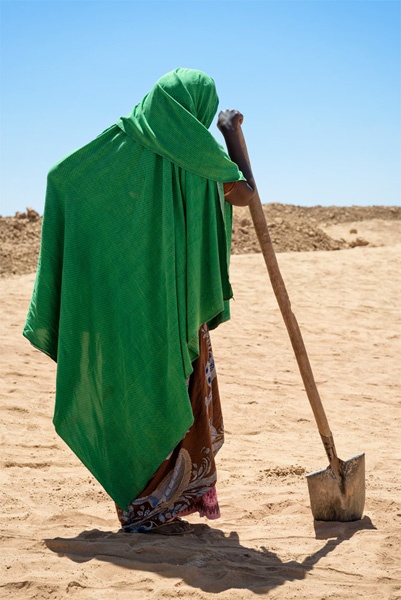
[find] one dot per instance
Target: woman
(133, 271)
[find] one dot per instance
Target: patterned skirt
(185, 481)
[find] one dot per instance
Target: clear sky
(318, 82)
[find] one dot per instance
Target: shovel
(336, 493)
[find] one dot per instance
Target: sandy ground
(59, 532)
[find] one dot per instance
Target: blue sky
(318, 82)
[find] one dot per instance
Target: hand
(229, 120)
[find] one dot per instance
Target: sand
(59, 532)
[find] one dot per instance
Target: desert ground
(59, 532)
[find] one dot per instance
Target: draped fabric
(134, 259)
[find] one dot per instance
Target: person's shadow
(206, 559)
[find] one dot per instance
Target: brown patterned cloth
(185, 481)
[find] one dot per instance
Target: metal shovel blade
(338, 498)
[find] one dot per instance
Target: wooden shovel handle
(259, 221)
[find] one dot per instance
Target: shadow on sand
(206, 559)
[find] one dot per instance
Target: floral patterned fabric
(185, 481)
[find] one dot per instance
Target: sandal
(176, 526)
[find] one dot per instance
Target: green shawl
(134, 258)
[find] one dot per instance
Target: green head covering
(193, 90)
(173, 121)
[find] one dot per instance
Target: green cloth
(134, 258)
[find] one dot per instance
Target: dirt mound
(301, 229)
(292, 229)
(19, 243)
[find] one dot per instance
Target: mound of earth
(292, 229)
(301, 229)
(19, 243)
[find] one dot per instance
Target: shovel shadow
(208, 559)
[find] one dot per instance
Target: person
(132, 275)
